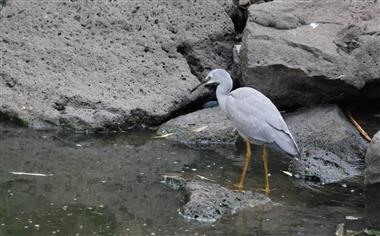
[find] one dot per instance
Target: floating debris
(287, 173)
(30, 174)
(352, 218)
(200, 128)
(163, 136)
(205, 178)
(314, 25)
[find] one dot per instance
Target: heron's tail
(298, 154)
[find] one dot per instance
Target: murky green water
(110, 185)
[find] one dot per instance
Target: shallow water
(110, 185)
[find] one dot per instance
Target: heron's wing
(255, 115)
(253, 103)
(248, 110)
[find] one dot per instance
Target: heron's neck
(224, 88)
(222, 91)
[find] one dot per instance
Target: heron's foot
(239, 187)
(266, 190)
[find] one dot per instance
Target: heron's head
(216, 76)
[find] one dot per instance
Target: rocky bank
(91, 65)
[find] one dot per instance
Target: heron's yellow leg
(265, 160)
(248, 153)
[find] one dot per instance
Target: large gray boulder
(332, 149)
(328, 128)
(372, 182)
(308, 52)
(97, 64)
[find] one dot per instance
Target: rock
(202, 128)
(104, 64)
(208, 202)
(332, 149)
(372, 182)
(372, 205)
(322, 166)
(312, 51)
(372, 161)
(340, 230)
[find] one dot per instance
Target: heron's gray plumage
(256, 118)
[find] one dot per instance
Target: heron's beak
(205, 82)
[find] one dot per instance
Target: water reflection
(110, 185)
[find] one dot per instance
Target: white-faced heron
(255, 117)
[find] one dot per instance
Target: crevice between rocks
(195, 65)
(238, 15)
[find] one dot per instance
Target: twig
(358, 127)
